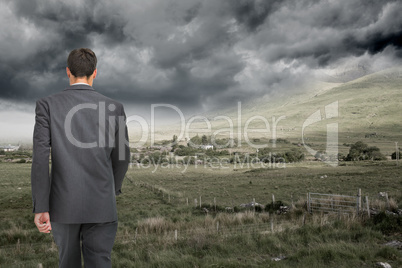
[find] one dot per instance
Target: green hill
(369, 109)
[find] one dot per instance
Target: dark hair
(82, 62)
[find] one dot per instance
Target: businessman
(86, 135)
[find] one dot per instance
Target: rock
(373, 212)
(394, 244)
(283, 210)
(399, 211)
(381, 194)
(383, 264)
(251, 204)
(278, 258)
(390, 213)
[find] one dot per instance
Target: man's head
(81, 65)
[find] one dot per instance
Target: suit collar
(80, 87)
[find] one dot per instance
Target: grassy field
(157, 228)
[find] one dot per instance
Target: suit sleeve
(40, 178)
(120, 152)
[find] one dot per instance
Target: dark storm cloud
(73, 22)
(329, 30)
(253, 13)
(190, 53)
(69, 28)
(376, 42)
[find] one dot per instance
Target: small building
(206, 147)
(9, 148)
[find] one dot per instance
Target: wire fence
(332, 203)
(180, 199)
(317, 202)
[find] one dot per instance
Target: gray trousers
(97, 243)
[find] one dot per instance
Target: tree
(295, 155)
(361, 151)
(194, 141)
(204, 140)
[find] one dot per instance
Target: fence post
(368, 207)
(200, 201)
(291, 198)
(195, 202)
(359, 200)
(187, 201)
(386, 197)
(175, 235)
(217, 226)
(273, 199)
(254, 204)
(272, 225)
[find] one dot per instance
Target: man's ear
(68, 72)
(94, 74)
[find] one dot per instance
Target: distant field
(370, 104)
(154, 205)
(236, 184)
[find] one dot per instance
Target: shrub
(279, 140)
(186, 151)
(273, 206)
(189, 160)
(295, 155)
(387, 224)
(210, 152)
(393, 155)
(22, 161)
(388, 253)
(258, 209)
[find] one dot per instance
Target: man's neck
(81, 80)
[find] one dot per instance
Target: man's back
(87, 135)
(86, 168)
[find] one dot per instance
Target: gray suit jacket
(85, 133)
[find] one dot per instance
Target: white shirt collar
(80, 84)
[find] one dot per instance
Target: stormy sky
(197, 55)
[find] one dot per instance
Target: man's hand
(42, 221)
